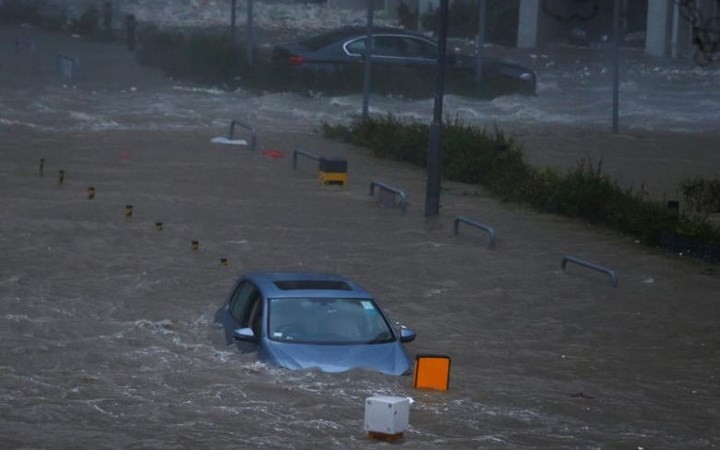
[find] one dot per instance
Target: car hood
(387, 358)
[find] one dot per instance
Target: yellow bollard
(195, 245)
(62, 177)
(91, 193)
(223, 262)
(159, 226)
(128, 211)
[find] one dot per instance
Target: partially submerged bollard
(195, 245)
(333, 171)
(91, 193)
(386, 417)
(128, 211)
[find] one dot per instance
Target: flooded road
(106, 334)
(107, 338)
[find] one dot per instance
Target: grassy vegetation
(495, 161)
(211, 58)
(500, 28)
(21, 11)
(54, 17)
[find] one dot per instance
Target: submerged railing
(592, 266)
(490, 230)
(395, 191)
(241, 124)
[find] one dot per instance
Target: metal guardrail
(305, 153)
(386, 187)
(589, 265)
(490, 230)
(66, 66)
(253, 134)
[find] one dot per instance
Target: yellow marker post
(91, 193)
(333, 171)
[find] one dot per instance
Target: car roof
(299, 284)
(321, 40)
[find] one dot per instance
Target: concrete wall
(659, 20)
(529, 24)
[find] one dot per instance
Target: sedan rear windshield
(327, 321)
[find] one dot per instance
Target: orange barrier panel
(432, 372)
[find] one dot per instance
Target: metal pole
(368, 53)
(434, 158)
(249, 39)
(616, 67)
(233, 20)
(480, 40)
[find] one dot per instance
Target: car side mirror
(407, 335)
(244, 334)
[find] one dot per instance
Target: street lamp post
(434, 158)
(368, 53)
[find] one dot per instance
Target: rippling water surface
(106, 323)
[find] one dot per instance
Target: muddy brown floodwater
(107, 340)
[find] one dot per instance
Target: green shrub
(21, 11)
(501, 22)
(407, 17)
(495, 161)
(88, 23)
(702, 197)
(198, 57)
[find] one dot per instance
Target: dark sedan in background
(402, 62)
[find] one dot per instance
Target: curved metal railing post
(592, 266)
(394, 190)
(253, 135)
(490, 230)
(305, 153)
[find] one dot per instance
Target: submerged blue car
(303, 320)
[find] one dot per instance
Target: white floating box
(386, 414)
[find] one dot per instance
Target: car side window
(387, 46)
(417, 48)
(356, 47)
(254, 317)
(241, 300)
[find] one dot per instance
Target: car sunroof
(287, 285)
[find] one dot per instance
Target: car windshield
(327, 321)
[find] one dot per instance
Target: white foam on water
(14, 123)
(200, 90)
(227, 141)
(17, 318)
